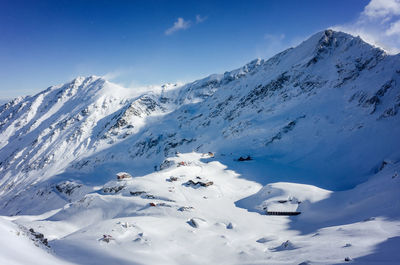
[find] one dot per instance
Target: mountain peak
(90, 112)
(334, 46)
(331, 39)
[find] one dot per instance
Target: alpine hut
(123, 175)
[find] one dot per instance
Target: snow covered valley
(164, 218)
(291, 160)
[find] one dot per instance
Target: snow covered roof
(123, 174)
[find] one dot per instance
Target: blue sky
(138, 43)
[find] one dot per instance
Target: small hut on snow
(123, 175)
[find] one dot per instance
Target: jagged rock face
(300, 108)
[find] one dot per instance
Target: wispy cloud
(394, 29)
(273, 44)
(115, 74)
(382, 8)
(200, 19)
(379, 24)
(273, 38)
(180, 24)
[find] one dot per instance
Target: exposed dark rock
(200, 183)
(137, 193)
(287, 128)
(39, 237)
(67, 187)
(247, 158)
(172, 179)
(114, 189)
(185, 208)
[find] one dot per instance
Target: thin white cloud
(272, 44)
(276, 43)
(394, 29)
(382, 8)
(378, 24)
(180, 24)
(273, 38)
(114, 74)
(200, 19)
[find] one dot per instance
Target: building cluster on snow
(123, 175)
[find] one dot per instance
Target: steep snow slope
(306, 115)
(324, 113)
(41, 135)
(19, 246)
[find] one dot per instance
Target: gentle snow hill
(166, 218)
(17, 248)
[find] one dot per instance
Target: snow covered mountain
(324, 113)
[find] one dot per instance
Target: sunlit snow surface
(222, 223)
(320, 124)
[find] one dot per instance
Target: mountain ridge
(257, 105)
(210, 168)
